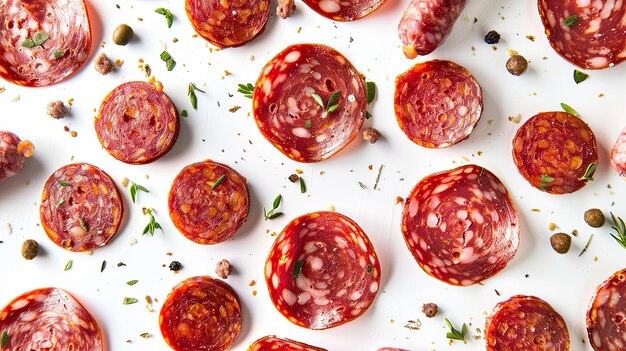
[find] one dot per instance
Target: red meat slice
(13, 152)
(273, 343)
(606, 317)
(344, 11)
(618, 155)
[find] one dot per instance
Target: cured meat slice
(426, 24)
(322, 271)
(295, 97)
(49, 319)
(606, 317)
(273, 343)
(618, 155)
(13, 152)
(201, 313)
(437, 103)
(209, 202)
(391, 349)
(228, 23)
(461, 225)
(588, 34)
(137, 123)
(344, 11)
(554, 151)
(81, 208)
(526, 323)
(43, 42)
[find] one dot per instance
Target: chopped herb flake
(129, 300)
(454, 334)
(569, 110)
(68, 266)
(191, 92)
(218, 182)
(5, 339)
(58, 53)
(371, 92)
(63, 183)
(104, 266)
(83, 224)
(302, 186)
(133, 190)
(168, 15)
(579, 76)
(132, 282)
(570, 21)
(297, 267)
(591, 169)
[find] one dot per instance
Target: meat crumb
(103, 65)
(223, 269)
(430, 309)
(294, 178)
(56, 109)
(371, 135)
(285, 8)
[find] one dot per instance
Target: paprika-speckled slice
(13, 152)
(618, 155)
(606, 316)
(273, 343)
(344, 11)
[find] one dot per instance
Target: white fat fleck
(321, 138)
(463, 110)
(316, 263)
(275, 281)
(316, 75)
(290, 297)
(374, 287)
(329, 6)
(598, 62)
(583, 3)
(341, 292)
(351, 98)
(292, 56)
(28, 316)
(308, 90)
(356, 295)
(432, 220)
(234, 13)
(303, 298)
(310, 247)
(321, 301)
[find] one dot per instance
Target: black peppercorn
(492, 37)
(175, 266)
(517, 65)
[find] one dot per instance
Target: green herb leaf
(133, 190)
(165, 56)
(368, 115)
(68, 265)
(191, 92)
(28, 43)
(5, 339)
(152, 225)
(246, 89)
(297, 267)
(270, 214)
(83, 224)
(283, 258)
(218, 182)
(371, 92)
(277, 201)
(58, 53)
(332, 108)
(370, 269)
(132, 282)
(59, 202)
(40, 37)
(620, 228)
(308, 124)
(545, 180)
(184, 113)
(318, 99)
(168, 15)
(169, 61)
(570, 21)
(586, 246)
(104, 265)
(454, 334)
(302, 186)
(569, 110)
(579, 76)
(332, 100)
(145, 335)
(63, 183)
(591, 169)
(129, 300)
(275, 215)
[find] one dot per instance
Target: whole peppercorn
(594, 217)
(492, 37)
(517, 65)
(175, 266)
(294, 178)
(123, 34)
(430, 309)
(30, 249)
(561, 242)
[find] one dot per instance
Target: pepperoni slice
(81, 208)
(13, 152)
(273, 343)
(228, 23)
(426, 24)
(201, 313)
(461, 225)
(588, 34)
(49, 319)
(606, 317)
(137, 123)
(288, 100)
(209, 202)
(322, 271)
(43, 42)
(618, 155)
(344, 11)
(437, 103)
(526, 323)
(554, 150)
(391, 349)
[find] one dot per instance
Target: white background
(567, 282)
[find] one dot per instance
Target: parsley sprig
(152, 225)
(168, 15)
(271, 214)
(246, 89)
(331, 105)
(133, 190)
(191, 92)
(454, 334)
(620, 228)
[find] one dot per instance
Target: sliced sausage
(273, 343)
(293, 107)
(461, 225)
(13, 152)
(606, 316)
(344, 11)
(618, 155)
(81, 208)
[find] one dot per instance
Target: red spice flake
(66, 128)
(169, 254)
(370, 167)
(399, 200)
(252, 283)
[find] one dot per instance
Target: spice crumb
(223, 269)
(252, 283)
(124, 182)
(430, 309)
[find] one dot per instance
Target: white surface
(567, 282)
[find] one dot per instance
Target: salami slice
(209, 202)
(137, 123)
(461, 225)
(322, 271)
(526, 323)
(556, 152)
(81, 208)
(588, 34)
(228, 23)
(391, 349)
(43, 42)
(202, 314)
(13, 152)
(618, 155)
(49, 319)
(606, 317)
(426, 24)
(344, 11)
(309, 102)
(437, 103)
(273, 343)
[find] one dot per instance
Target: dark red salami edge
(13, 152)
(49, 319)
(606, 316)
(526, 323)
(618, 155)
(201, 313)
(322, 271)
(344, 11)
(274, 343)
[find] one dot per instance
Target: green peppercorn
(123, 34)
(517, 65)
(594, 217)
(561, 242)
(30, 249)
